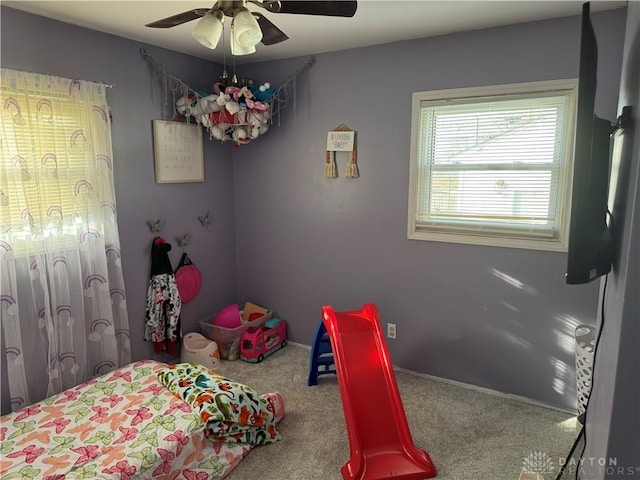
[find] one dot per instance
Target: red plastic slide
(380, 441)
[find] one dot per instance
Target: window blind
(492, 166)
(46, 154)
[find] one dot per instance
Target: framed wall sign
(341, 139)
(178, 152)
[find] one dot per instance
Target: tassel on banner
(330, 166)
(351, 170)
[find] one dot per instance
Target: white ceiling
(375, 22)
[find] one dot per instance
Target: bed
(144, 420)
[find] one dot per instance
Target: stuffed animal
(222, 132)
(209, 104)
(232, 107)
(260, 106)
(207, 121)
(242, 117)
(262, 92)
(232, 91)
(218, 88)
(184, 106)
(240, 135)
(217, 132)
(222, 99)
(244, 97)
(255, 119)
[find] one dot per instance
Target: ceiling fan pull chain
(224, 51)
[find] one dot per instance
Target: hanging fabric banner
(341, 139)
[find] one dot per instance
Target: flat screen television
(590, 251)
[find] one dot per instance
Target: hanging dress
(162, 325)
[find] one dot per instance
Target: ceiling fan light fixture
(237, 48)
(246, 31)
(209, 29)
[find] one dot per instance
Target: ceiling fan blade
(178, 19)
(270, 33)
(330, 9)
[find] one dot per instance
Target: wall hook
(184, 240)
(155, 226)
(206, 220)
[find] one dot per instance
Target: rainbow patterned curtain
(63, 304)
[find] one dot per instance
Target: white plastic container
(228, 339)
(199, 349)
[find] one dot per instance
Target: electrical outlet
(391, 330)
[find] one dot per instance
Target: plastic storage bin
(228, 339)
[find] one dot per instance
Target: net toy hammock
(237, 112)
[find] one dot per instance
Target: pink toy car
(260, 342)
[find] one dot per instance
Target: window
(45, 194)
(491, 165)
(55, 155)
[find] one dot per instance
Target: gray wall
(292, 240)
(136, 99)
(613, 417)
(304, 241)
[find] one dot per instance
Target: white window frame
(559, 242)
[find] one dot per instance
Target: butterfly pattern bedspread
(123, 425)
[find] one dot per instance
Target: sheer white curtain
(63, 304)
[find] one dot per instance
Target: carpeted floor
(470, 435)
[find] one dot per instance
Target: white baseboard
(465, 385)
(482, 389)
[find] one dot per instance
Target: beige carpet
(470, 435)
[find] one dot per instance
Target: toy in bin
(226, 327)
(228, 317)
(260, 342)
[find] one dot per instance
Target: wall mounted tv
(590, 239)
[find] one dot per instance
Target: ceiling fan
(209, 28)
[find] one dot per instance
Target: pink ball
(228, 317)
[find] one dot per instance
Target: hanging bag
(188, 279)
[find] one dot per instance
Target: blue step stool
(321, 355)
